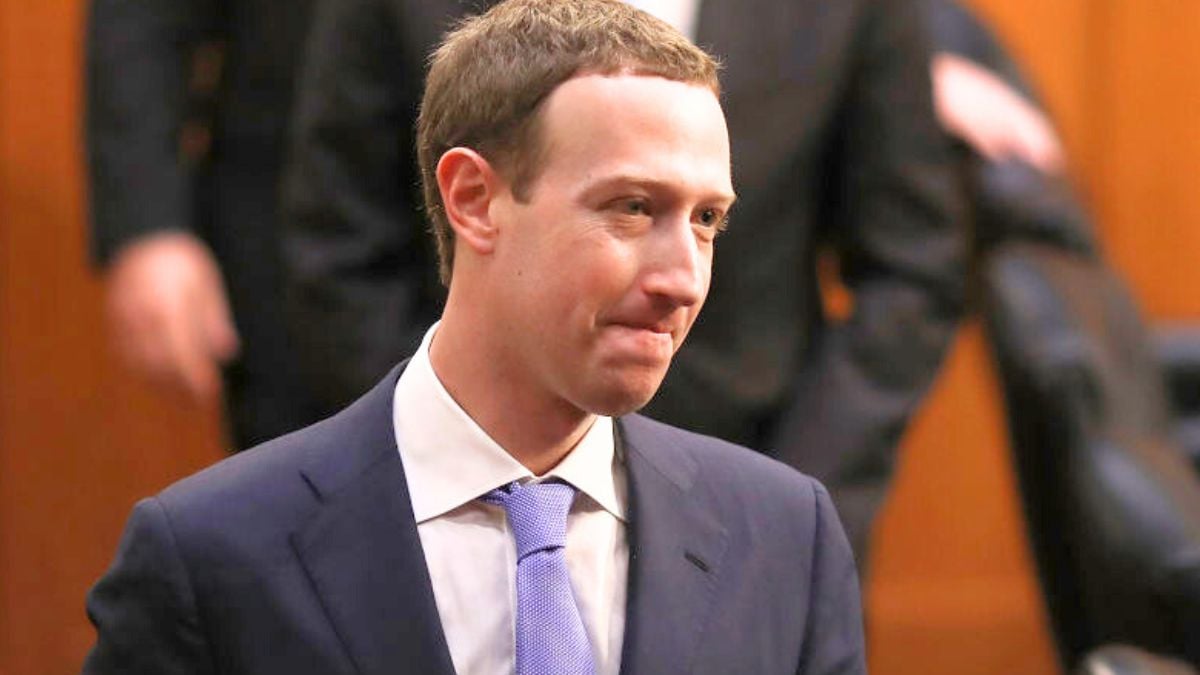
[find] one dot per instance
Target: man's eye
(635, 207)
(712, 218)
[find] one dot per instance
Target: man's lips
(645, 342)
(652, 326)
(654, 339)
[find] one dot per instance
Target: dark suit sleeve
(834, 643)
(144, 607)
(955, 29)
(895, 210)
(354, 242)
(138, 58)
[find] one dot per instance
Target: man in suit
(835, 144)
(186, 229)
(494, 504)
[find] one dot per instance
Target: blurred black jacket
(140, 93)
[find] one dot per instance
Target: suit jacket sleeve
(833, 644)
(138, 58)
(955, 29)
(144, 607)
(354, 243)
(894, 203)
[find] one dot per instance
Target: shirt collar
(449, 460)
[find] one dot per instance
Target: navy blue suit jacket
(302, 556)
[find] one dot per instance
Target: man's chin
(622, 400)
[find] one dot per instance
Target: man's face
(602, 270)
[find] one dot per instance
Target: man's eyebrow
(649, 183)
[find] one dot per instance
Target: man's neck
(537, 430)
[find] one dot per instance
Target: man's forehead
(589, 130)
(623, 102)
(617, 105)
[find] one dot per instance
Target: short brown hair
(492, 72)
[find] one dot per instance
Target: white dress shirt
(449, 462)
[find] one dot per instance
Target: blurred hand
(168, 313)
(990, 116)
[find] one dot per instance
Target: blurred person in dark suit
(835, 144)
(981, 97)
(190, 250)
(494, 505)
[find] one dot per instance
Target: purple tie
(551, 639)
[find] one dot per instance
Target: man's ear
(468, 185)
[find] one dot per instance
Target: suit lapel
(676, 550)
(363, 555)
(361, 549)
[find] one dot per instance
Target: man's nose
(677, 264)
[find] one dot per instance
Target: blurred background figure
(835, 145)
(187, 107)
(1109, 486)
(982, 98)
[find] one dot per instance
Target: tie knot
(537, 514)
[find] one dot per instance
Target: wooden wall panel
(1144, 178)
(78, 441)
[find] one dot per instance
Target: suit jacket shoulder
(279, 483)
(733, 479)
(750, 569)
(302, 556)
(298, 556)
